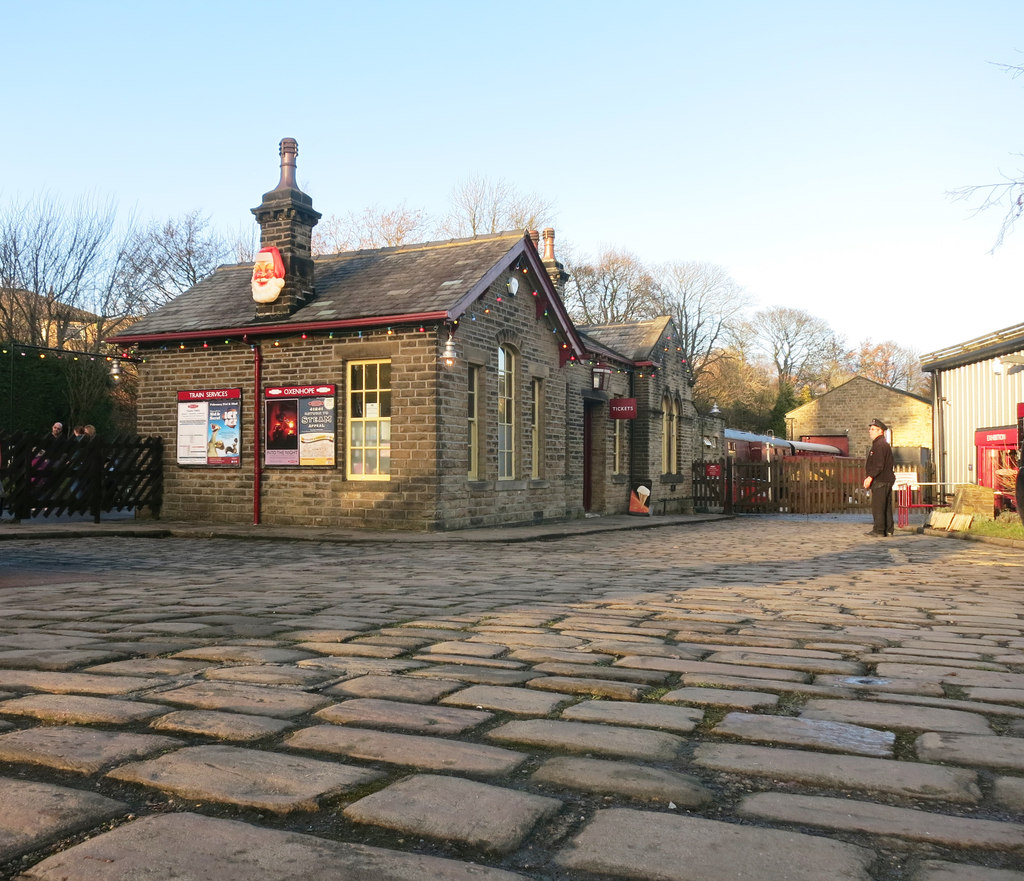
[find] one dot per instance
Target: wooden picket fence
(78, 476)
(793, 485)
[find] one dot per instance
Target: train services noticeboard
(208, 427)
(300, 425)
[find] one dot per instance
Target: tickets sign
(622, 408)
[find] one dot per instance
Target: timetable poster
(300, 425)
(208, 427)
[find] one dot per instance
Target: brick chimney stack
(556, 271)
(286, 218)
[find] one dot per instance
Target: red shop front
(998, 459)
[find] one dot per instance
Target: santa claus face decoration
(267, 276)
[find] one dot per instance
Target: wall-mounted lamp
(601, 374)
(448, 356)
(997, 367)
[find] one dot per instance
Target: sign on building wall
(622, 408)
(300, 425)
(208, 427)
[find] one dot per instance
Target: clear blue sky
(807, 147)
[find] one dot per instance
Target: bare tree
(891, 364)
(246, 243)
(373, 227)
(704, 302)
(1006, 195)
(52, 256)
(480, 207)
(836, 367)
(171, 257)
(795, 342)
(331, 235)
(617, 288)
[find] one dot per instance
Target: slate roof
(428, 281)
(860, 380)
(633, 341)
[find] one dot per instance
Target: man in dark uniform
(880, 479)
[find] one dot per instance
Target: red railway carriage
(744, 446)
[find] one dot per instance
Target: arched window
(506, 413)
(669, 436)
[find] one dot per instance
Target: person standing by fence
(880, 479)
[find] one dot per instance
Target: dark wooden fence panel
(794, 484)
(709, 484)
(756, 487)
(78, 476)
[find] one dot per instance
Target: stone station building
(431, 386)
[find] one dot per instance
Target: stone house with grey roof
(841, 415)
(432, 386)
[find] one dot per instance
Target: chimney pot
(549, 244)
(289, 150)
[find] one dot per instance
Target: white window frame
(670, 436)
(369, 432)
(506, 421)
(473, 389)
(537, 430)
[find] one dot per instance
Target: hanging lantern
(601, 373)
(448, 356)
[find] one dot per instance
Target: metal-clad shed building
(977, 387)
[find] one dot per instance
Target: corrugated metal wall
(971, 397)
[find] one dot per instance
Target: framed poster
(300, 425)
(209, 430)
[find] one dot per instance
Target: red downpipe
(257, 369)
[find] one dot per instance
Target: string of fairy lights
(26, 350)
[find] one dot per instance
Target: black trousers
(881, 507)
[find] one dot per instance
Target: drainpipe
(257, 369)
(938, 436)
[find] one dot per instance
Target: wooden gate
(824, 485)
(709, 485)
(756, 487)
(78, 476)
(795, 485)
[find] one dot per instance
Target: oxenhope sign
(622, 408)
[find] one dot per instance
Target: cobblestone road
(752, 699)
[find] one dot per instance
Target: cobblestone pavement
(762, 698)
